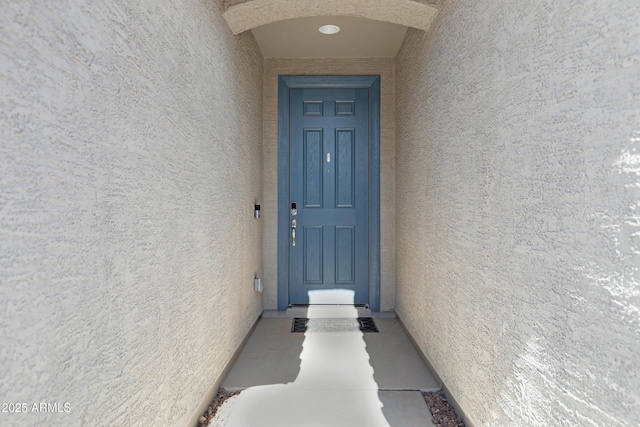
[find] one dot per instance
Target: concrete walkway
(327, 379)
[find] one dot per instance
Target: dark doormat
(361, 324)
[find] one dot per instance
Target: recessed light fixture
(329, 29)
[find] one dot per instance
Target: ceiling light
(329, 29)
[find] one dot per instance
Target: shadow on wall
(334, 387)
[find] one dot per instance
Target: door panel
(328, 180)
(345, 254)
(313, 176)
(345, 168)
(313, 254)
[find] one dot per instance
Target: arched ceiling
(254, 13)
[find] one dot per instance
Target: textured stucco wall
(518, 224)
(246, 15)
(226, 4)
(385, 67)
(130, 158)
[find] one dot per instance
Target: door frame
(285, 84)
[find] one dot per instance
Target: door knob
(294, 224)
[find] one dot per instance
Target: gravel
(211, 411)
(443, 413)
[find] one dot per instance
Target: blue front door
(329, 192)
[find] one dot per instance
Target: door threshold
(321, 311)
(328, 305)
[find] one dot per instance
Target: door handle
(294, 224)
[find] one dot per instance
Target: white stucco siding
(245, 15)
(130, 159)
(518, 248)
